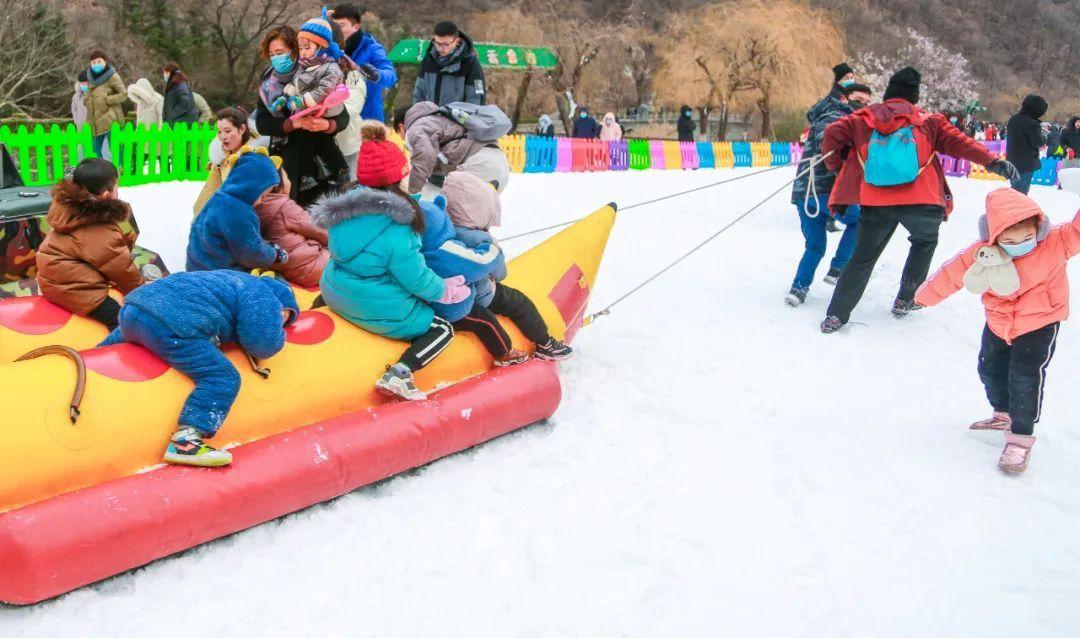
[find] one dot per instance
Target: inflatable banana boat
(82, 499)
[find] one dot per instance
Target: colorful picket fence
(167, 153)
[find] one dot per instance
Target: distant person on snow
(586, 126)
(451, 71)
(183, 319)
(545, 127)
(1024, 139)
(610, 129)
(686, 124)
(810, 194)
(370, 56)
(903, 184)
(1070, 137)
(1019, 267)
(78, 109)
(104, 101)
(843, 77)
(179, 102)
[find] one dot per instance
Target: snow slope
(718, 467)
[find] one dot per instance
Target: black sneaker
(553, 350)
(831, 324)
(831, 226)
(833, 276)
(901, 308)
(796, 297)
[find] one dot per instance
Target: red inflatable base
(55, 546)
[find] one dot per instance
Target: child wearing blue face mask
(1019, 266)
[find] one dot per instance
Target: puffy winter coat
(226, 232)
(287, 224)
(1070, 137)
(449, 257)
(933, 135)
(348, 140)
(179, 102)
(1043, 297)
(456, 78)
(685, 126)
(78, 109)
(1024, 135)
(105, 100)
(315, 82)
(438, 143)
(610, 130)
(85, 253)
(206, 114)
(377, 277)
(148, 102)
(820, 116)
(585, 126)
(363, 48)
(483, 289)
(222, 305)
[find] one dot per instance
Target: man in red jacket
(920, 205)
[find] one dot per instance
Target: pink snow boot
(1014, 458)
(997, 421)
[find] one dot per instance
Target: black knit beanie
(904, 84)
(840, 70)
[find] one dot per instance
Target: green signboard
(499, 56)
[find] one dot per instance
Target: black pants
(513, 304)
(876, 228)
(427, 346)
(1014, 376)
(108, 313)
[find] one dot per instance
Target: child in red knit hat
(377, 277)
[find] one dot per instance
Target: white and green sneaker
(187, 448)
(397, 381)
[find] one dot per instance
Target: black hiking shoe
(831, 324)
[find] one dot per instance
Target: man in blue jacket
(183, 319)
(370, 56)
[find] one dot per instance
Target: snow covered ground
(718, 467)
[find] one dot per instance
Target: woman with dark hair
(179, 102)
(234, 132)
(104, 100)
(294, 140)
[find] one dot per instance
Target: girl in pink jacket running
(1019, 267)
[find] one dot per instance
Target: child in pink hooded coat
(285, 223)
(1024, 309)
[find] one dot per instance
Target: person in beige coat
(105, 100)
(148, 102)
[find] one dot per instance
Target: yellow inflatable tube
(326, 369)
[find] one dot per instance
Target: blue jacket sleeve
(259, 329)
(379, 60)
(246, 244)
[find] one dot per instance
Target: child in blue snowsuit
(473, 207)
(226, 234)
(183, 318)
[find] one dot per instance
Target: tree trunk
(703, 122)
(766, 116)
(519, 104)
(721, 133)
(562, 102)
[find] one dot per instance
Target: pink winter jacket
(287, 224)
(1043, 297)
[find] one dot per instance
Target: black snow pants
(1015, 376)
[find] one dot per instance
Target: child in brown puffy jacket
(285, 223)
(86, 253)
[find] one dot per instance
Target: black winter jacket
(459, 78)
(1070, 137)
(1024, 136)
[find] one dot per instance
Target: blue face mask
(847, 83)
(1021, 249)
(584, 115)
(84, 88)
(97, 68)
(282, 63)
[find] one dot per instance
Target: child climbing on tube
(377, 277)
(183, 318)
(86, 253)
(1018, 266)
(473, 206)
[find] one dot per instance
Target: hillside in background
(734, 59)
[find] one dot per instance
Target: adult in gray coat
(451, 70)
(440, 145)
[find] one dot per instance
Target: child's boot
(997, 421)
(796, 297)
(831, 324)
(833, 276)
(553, 350)
(1014, 458)
(512, 358)
(397, 381)
(187, 448)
